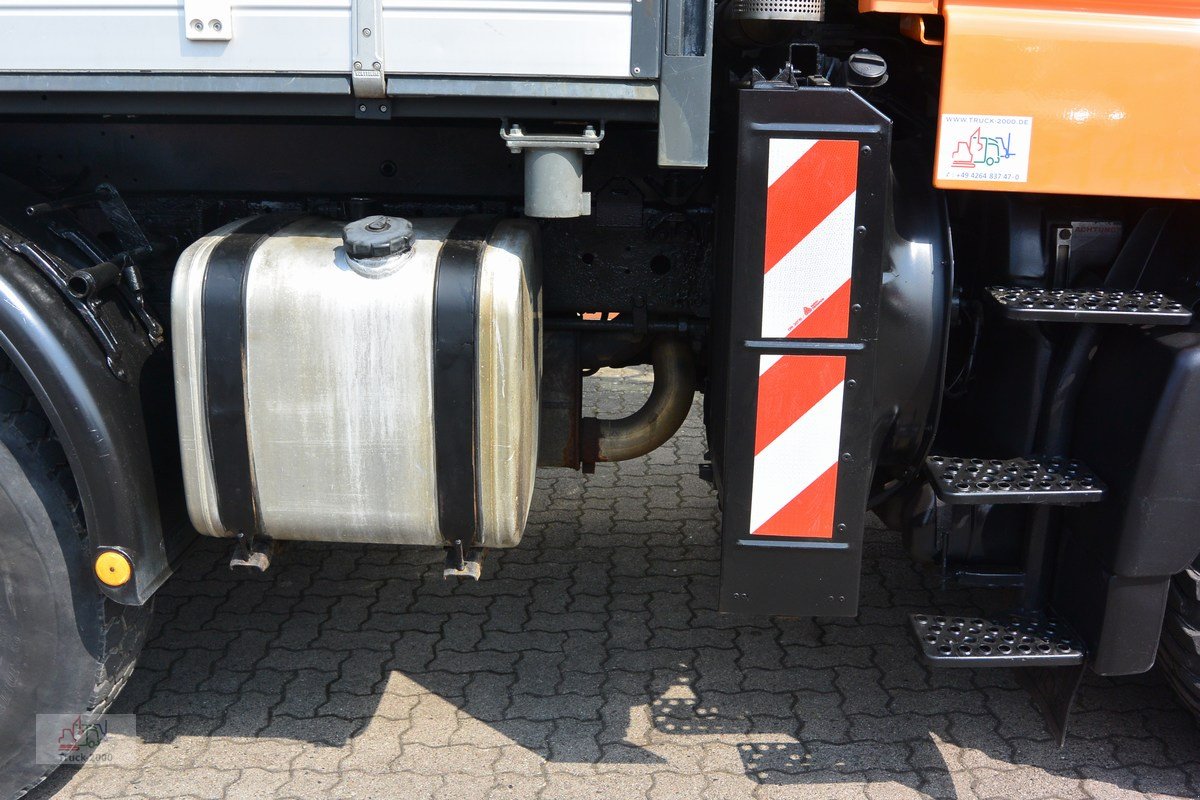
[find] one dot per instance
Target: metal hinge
(366, 52)
(208, 20)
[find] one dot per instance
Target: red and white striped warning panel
(796, 445)
(809, 238)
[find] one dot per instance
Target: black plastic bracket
(87, 310)
(125, 274)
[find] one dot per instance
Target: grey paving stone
(590, 662)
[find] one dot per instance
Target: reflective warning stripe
(796, 445)
(808, 256)
(809, 242)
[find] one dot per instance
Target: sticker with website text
(984, 148)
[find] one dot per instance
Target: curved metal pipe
(654, 423)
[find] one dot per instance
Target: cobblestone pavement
(590, 663)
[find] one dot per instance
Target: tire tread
(123, 627)
(1179, 645)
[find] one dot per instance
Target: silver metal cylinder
(554, 183)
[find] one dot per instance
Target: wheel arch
(96, 416)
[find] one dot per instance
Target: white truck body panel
(519, 38)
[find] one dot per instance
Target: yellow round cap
(113, 569)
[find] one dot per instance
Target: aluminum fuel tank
(383, 391)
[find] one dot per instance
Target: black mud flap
(800, 261)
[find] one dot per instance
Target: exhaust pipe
(654, 423)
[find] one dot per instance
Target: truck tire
(1179, 645)
(64, 647)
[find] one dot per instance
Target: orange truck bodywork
(1101, 94)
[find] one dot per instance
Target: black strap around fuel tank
(223, 332)
(455, 379)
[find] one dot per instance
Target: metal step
(1089, 305)
(1009, 640)
(976, 481)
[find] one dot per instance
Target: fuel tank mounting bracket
(253, 552)
(463, 563)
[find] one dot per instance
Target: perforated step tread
(1005, 641)
(1090, 305)
(1051, 481)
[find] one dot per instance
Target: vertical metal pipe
(554, 183)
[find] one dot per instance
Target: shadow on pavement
(596, 644)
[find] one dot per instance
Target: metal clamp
(366, 49)
(554, 169)
(208, 20)
(518, 140)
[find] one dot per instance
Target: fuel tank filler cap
(377, 237)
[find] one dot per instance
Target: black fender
(914, 322)
(96, 415)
